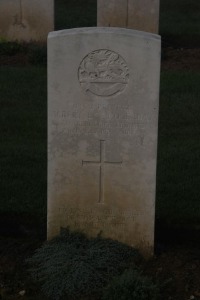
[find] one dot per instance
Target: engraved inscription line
(100, 164)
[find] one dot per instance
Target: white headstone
(136, 14)
(103, 94)
(26, 20)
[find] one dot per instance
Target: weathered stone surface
(103, 89)
(136, 14)
(25, 20)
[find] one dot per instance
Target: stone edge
(104, 30)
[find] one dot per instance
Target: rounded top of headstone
(109, 30)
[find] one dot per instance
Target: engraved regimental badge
(103, 73)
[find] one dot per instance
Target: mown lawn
(178, 173)
(179, 22)
(23, 116)
(71, 14)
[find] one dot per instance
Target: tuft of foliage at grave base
(71, 265)
(11, 48)
(131, 285)
(37, 53)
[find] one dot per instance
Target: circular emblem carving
(103, 73)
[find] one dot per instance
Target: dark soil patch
(181, 59)
(14, 277)
(19, 59)
(179, 267)
(181, 40)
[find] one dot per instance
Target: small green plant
(2, 39)
(131, 285)
(71, 265)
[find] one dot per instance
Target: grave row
(25, 20)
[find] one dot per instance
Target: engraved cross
(101, 164)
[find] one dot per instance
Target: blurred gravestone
(25, 20)
(136, 14)
(103, 87)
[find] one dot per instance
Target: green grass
(23, 139)
(178, 175)
(72, 14)
(179, 22)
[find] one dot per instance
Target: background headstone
(136, 14)
(103, 91)
(25, 20)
